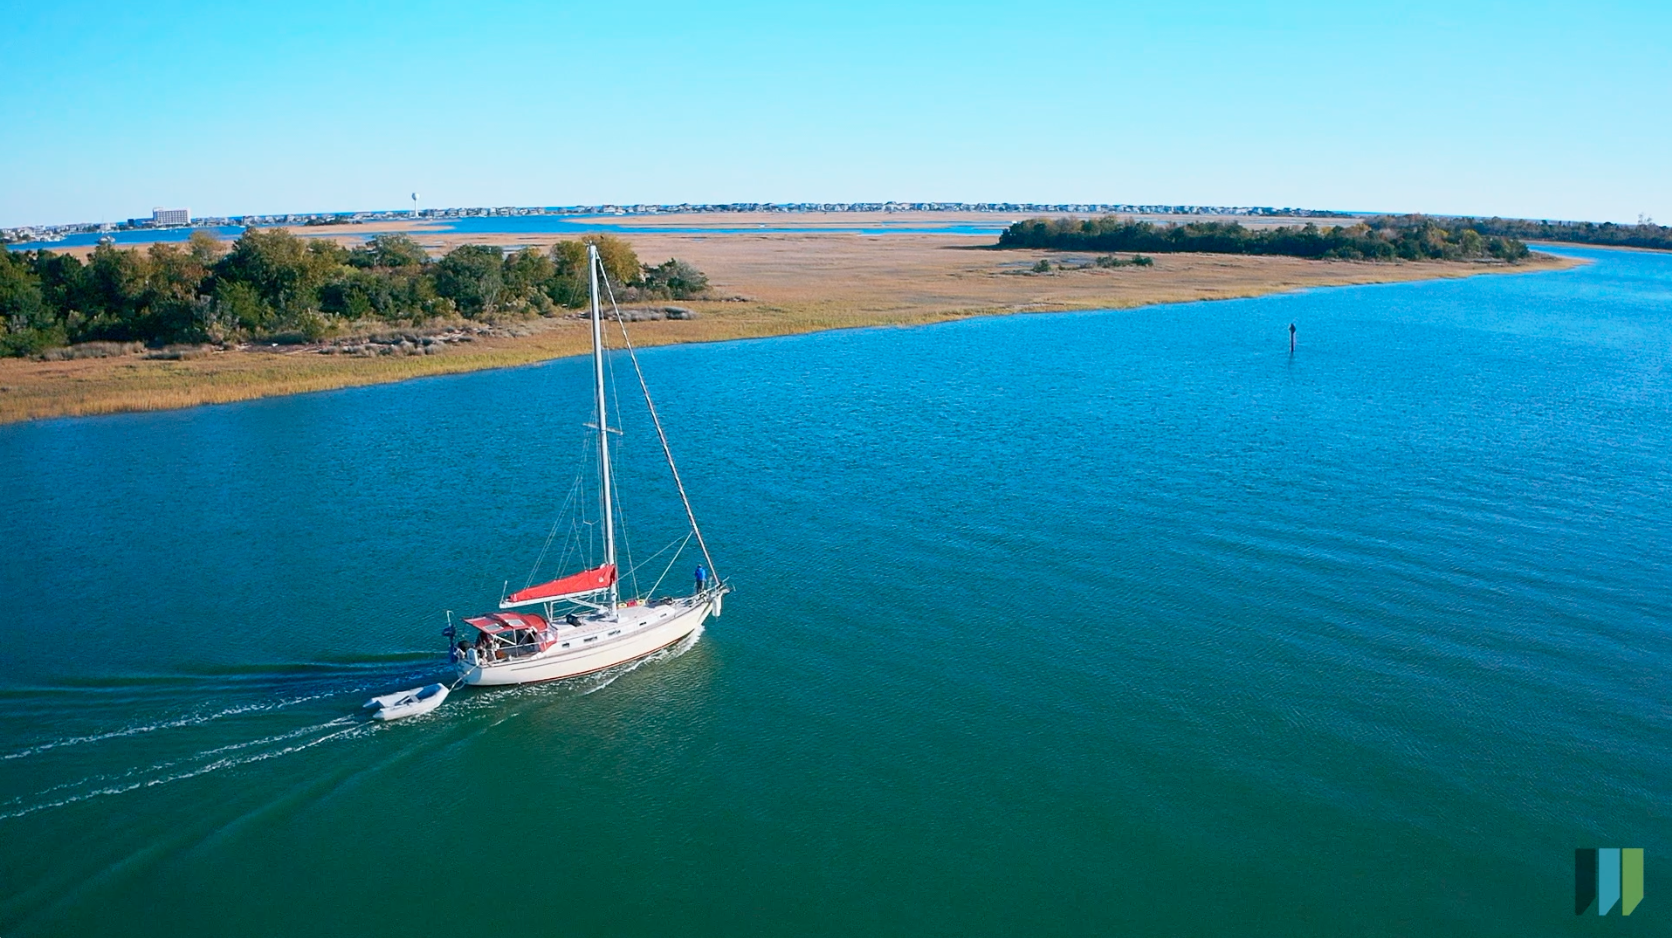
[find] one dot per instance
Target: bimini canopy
(569, 587)
(498, 622)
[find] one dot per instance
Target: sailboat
(581, 622)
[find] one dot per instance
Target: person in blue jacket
(702, 578)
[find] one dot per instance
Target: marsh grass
(91, 350)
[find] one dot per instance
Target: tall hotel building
(170, 217)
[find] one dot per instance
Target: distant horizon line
(647, 208)
(355, 216)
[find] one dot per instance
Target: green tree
(619, 261)
(205, 248)
(326, 256)
(63, 282)
(472, 276)
(238, 308)
(26, 322)
(568, 284)
(284, 272)
(674, 279)
(569, 257)
(116, 283)
(1509, 249)
(170, 304)
(361, 294)
(391, 250)
(526, 274)
(1435, 243)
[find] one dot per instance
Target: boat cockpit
(507, 635)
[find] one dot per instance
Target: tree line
(1644, 234)
(272, 285)
(1378, 239)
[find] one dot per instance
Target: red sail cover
(587, 581)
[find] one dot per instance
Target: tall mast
(593, 263)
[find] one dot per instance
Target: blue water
(1094, 623)
(140, 236)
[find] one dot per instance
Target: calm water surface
(1102, 623)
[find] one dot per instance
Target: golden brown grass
(793, 282)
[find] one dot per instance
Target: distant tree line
(1644, 234)
(1378, 239)
(272, 285)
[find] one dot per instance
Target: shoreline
(515, 229)
(1600, 247)
(790, 284)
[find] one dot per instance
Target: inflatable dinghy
(407, 703)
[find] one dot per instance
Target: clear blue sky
(1530, 108)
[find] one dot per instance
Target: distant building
(170, 217)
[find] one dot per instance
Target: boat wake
(191, 736)
(283, 687)
(228, 727)
(137, 729)
(192, 766)
(593, 683)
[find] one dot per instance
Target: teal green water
(1103, 623)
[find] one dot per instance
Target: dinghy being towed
(408, 703)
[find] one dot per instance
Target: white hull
(637, 631)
